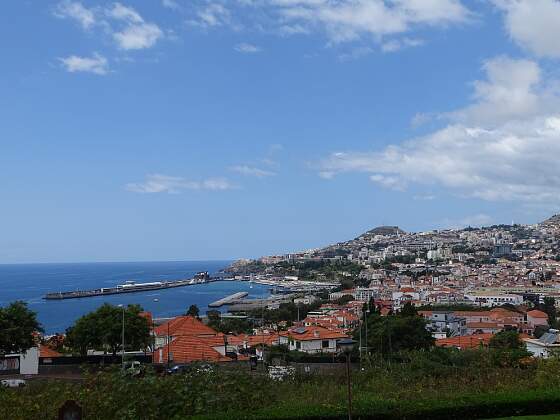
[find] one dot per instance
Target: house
(536, 318)
(21, 363)
(544, 346)
(444, 324)
(466, 342)
(185, 339)
(311, 339)
(179, 327)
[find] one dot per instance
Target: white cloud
(502, 147)
(211, 15)
(347, 20)
(252, 171)
(158, 183)
(513, 89)
(125, 13)
(338, 20)
(247, 48)
(533, 24)
(424, 197)
(390, 182)
(399, 44)
(138, 36)
(123, 23)
(96, 64)
(76, 11)
(170, 4)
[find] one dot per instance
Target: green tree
(540, 330)
(507, 349)
(389, 334)
(506, 340)
(549, 306)
(193, 311)
(102, 329)
(344, 299)
(408, 310)
(17, 325)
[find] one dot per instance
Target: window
(298, 345)
(325, 344)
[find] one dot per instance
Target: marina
(228, 300)
(129, 287)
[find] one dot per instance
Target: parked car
(13, 383)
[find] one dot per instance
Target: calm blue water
(29, 282)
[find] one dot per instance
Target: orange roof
(45, 351)
(482, 325)
(267, 339)
(465, 342)
(313, 333)
(535, 313)
(184, 325)
(472, 313)
(186, 349)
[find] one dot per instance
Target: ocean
(30, 282)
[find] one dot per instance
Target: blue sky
(173, 130)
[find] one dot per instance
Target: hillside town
(467, 285)
(487, 268)
(475, 301)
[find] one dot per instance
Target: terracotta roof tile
(535, 313)
(184, 325)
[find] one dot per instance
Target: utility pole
(168, 346)
(122, 336)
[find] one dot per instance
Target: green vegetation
(17, 325)
(228, 325)
(323, 270)
(435, 384)
(549, 307)
(102, 330)
(289, 312)
(193, 311)
(395, 333)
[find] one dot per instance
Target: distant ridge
(554, 220)
(385, 231)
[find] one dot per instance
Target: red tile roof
(313, 333)
(465, 342)
(186, 349)
(45, 351)
(535, 313)
(184, 325)
(482, 325)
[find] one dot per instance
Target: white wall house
(27, 363)
(312, 339)
(544, 346)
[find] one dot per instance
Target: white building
(544, 346)
(23, 363)
(311, 339)
(493, 299)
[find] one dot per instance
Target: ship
(129, 286)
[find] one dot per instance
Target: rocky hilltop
(554, 220)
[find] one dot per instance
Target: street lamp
(122, 336)
(346, 346)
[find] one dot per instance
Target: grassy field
(425, 385)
